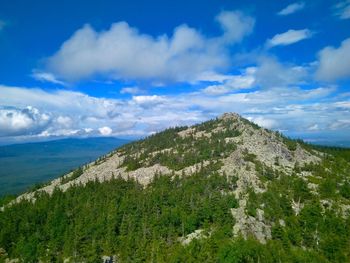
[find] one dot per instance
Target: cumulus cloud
(105, 131)
(292, 8)
(17, 121)
(235, 25)
(289, 37)
(122, 52)
(64, 121)
(271, 73)
(334, 63)
(342, 9)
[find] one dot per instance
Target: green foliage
(265, 172)
(345, 190)
(252, 203)
(168, 148)
(327, 188)
(6, 199)
(321, 230)
(118, 217)
(75, 174)
(249, 157)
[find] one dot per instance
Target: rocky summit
(225, 190)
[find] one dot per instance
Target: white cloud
(68, 113)
(289, 37)
(271, 73)
(211, 77)
(46, 77)
(264, 122)
(334, 63)
(60, 133)
(148, 101)
(235, 25)
(314, 127)
(64, 121)
(233, 82)
(343, 104)
(105, 131)
(216, 90)
(342, 9)
(340, 124)
(131, 90)
(122, 52)
(16, 121)
(292, 8)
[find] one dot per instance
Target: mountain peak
(233, 145)
(230, 116)
(261, 185)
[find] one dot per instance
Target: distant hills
(23, 165)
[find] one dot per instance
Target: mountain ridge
(270, 181)
(118, 165)
(249, 146)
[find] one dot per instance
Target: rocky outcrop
(197, 234)
(248, 225)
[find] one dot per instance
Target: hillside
(23, 165)
(222, 191)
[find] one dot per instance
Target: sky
(131, 68)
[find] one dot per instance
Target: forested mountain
(222, 191)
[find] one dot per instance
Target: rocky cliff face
(245, 152)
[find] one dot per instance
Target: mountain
(23, 165)
(225, 190)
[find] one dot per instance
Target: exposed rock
(247, 225)
(282, 222)
(297, 206)
(345, 210)
(109, 259)
(3, 252)
(197, 234)
(230, 116)
(187, 132)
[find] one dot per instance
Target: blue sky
(131, 68)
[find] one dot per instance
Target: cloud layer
(298, 98)
(68, 113)
(122, 52)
